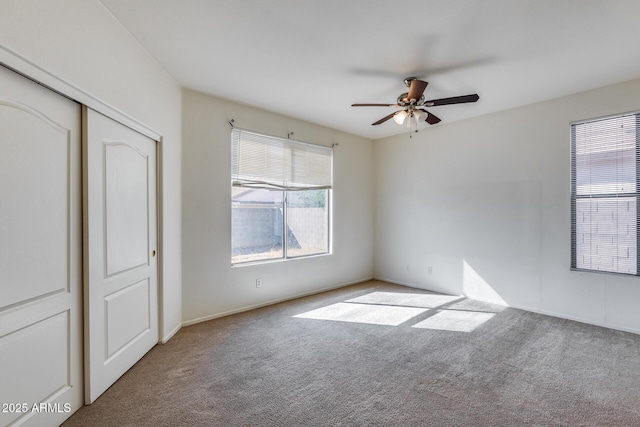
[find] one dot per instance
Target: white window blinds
(604, 195)
(261, 161)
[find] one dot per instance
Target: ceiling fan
(412, 104)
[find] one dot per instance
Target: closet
(78, 252)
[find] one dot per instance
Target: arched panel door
(121, 284)
(40, 254)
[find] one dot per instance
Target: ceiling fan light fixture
(421, 116)
(399, 117)
(412, 121)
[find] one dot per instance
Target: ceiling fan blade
(374, 105)
(416, 89)
(431, 119)
(384, 119)
(453, 100)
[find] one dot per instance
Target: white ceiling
(311, 59)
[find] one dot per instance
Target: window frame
(286, 256)
(575, 197)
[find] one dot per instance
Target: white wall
(485, 203)
(79, 43)
(212, 287)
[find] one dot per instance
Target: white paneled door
(121, 278)
(40, 254)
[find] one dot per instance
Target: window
(280, 193)
(604, 195)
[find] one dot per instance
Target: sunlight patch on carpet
(457, 321)
(362, 313)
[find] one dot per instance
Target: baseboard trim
(414, 286)
(525, 308)
(171, 334)
(271, 302)
(576, 319)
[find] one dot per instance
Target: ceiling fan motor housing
(403, 100)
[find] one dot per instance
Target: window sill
(609, 273)
(278, 260)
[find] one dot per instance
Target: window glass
(256, 225)
(307, 220)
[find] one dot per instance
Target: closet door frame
(17, 63)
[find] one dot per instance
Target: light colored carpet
(373, 354)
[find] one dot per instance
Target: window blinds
(261, 161)
(604, 194)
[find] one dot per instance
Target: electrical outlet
(429, 270)
(258, 283)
